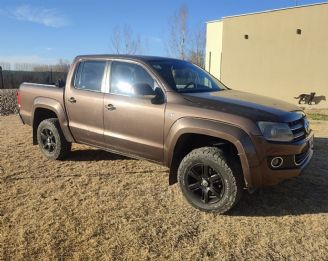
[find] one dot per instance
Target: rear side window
(89, 75)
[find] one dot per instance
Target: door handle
(110, 107)
(72, 100)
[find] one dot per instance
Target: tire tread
(231, 167)
(64, 145)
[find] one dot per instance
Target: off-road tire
(230, 176)
(62, 146)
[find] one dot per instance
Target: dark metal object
(48, 140)
(110, 107)
(72, 100)
(21, 119)
(205, 184)
(60, 83)
(1, 79)
(51, 78)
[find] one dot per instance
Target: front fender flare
(231, 133)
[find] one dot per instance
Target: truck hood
(254, 107)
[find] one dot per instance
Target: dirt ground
(97, 205)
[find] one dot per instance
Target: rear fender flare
(54, 106)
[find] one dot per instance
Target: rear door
(85, 102)
(133, 124)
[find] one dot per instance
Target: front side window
(185, 77)
(89, 75)
(127, 77)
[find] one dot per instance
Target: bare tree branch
(116, 39)
(178, 24)
(184, 43)
(197, 48)
(124, 41)
(61, 66)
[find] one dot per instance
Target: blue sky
(44, 31)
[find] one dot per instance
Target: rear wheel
(208, 182)
(51, 140)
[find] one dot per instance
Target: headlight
(274, 131)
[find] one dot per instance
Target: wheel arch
(204, 133)
(46, 108)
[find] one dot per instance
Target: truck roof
(144, 58)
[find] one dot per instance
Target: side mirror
(60, 83)
(143, 89)
(159, 96)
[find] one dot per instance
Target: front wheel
(51, 140)
(208, 182)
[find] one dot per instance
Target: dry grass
(97, 205)
(317, 116)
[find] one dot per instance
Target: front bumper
(263, 175)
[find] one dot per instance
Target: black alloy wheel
(209, 181)
(48, 140)
(51, 140)
(205, 184)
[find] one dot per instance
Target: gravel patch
(8, 102)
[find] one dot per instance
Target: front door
(85, 102)
(132, 123)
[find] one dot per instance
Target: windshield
(186, 77)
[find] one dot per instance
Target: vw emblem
(306, 126)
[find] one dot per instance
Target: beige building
(279, 53)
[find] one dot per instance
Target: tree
(124, 41)
(6, 66)
(197, 48)
(61, 66)
(184, 43)
(178, 28)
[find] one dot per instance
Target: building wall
(214, 31)
(276, 61)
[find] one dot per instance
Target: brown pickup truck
(216, 141)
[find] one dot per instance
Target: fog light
(276, 162)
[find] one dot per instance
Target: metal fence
(12, 79)
(1, 79)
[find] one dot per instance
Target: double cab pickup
(217, 142)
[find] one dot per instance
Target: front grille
(298, 129)
(300, 158)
